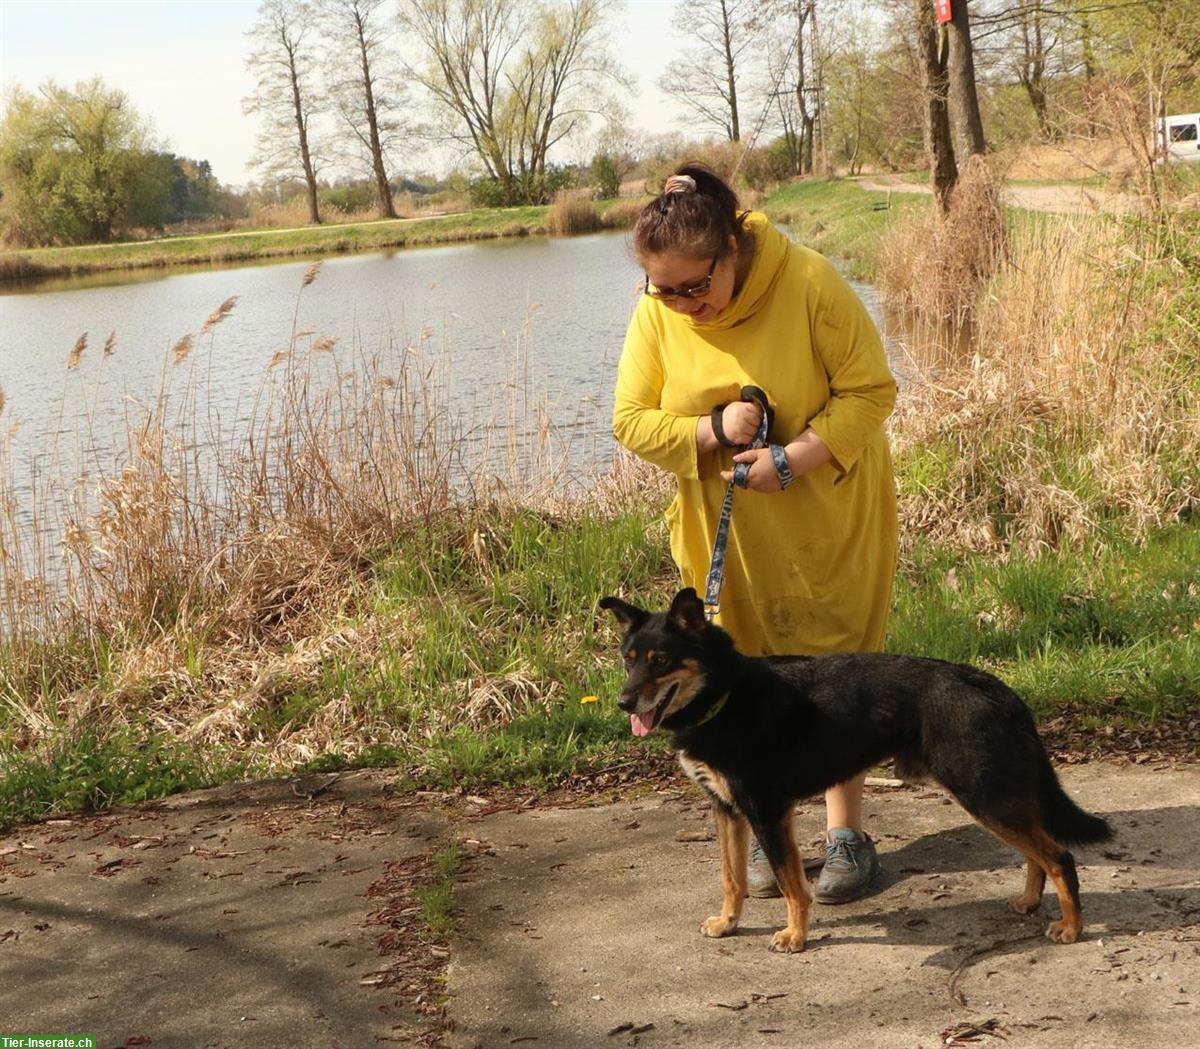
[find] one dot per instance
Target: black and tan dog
(758, 734)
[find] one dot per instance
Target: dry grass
(206, 578)
(936, 267)
(1074, 414)
(573, 211)
(623, 213)
(20, 267)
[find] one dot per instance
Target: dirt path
(284, 913)
(1067, 199)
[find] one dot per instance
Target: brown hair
(697, 224)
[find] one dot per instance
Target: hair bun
(679, 184)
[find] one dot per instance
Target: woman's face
(671, 271)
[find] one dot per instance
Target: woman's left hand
(763, 476)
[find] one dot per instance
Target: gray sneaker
(851, 864)
(760, 879)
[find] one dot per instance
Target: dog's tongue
(642, 724)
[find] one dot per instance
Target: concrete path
(239, 917)
(580, 929)
(283, 914)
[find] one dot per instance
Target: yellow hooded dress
(808, 570)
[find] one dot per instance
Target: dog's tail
(1065, 821)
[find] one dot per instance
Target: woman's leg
(850, 860)
(843, 804)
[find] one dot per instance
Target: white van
(1179, 137)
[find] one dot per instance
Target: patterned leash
(741, 476)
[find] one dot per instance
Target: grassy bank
(212, 248)
(345, 598)
(468, 672)
(839, 218)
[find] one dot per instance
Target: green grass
(1111, 629)
(87, 769)
(258, 244)
(839, 217)
(242, 246)
(436, 898)
(1114, 627)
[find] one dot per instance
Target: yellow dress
(808, 570)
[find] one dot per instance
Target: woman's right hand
(740, 421)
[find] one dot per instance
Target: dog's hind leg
(779, 843)
(1058, 864)
(1035, 884)
(733, 833)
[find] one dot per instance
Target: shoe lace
(839, 854)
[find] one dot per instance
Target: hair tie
(679, 184)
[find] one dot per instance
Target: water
(544, 314)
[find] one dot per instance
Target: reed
(231, 596)
(622, 214)
(573, 211)
(1076, 416)
(936, 266)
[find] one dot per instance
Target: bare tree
(512, 78)
(966, 122)
(284, 65)
(1041, 43)
(705, 79)
(363, 84)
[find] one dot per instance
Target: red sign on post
(944, 14)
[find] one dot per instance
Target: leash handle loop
(741, 478)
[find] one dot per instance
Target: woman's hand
(804, 453)
(740, 421)
(763, 476)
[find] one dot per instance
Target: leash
(741, 475)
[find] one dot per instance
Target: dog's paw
(1023, 904)
(788, 941)
(1061, 932)
(718, 926)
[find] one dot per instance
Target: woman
(811, 554)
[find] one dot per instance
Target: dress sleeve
(639, 422)
(862, 389)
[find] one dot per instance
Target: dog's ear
(687, 610)
(629, 616)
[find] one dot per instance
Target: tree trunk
(1088, 54)
(310, 176)
(939, 147)
(964, 102)
(735, 133)
(807, 120)
(383, 191)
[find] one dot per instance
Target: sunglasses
(694, 292)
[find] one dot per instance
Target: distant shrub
(573, 211)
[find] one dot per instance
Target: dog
(760, 733)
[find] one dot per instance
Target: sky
(181, 62)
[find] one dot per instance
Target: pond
(544, 317)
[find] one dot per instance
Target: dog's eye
(658, 659)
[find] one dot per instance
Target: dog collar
(713, 711)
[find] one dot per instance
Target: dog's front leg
(733, 833)
(779, 843)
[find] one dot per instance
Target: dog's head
(665, 657)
